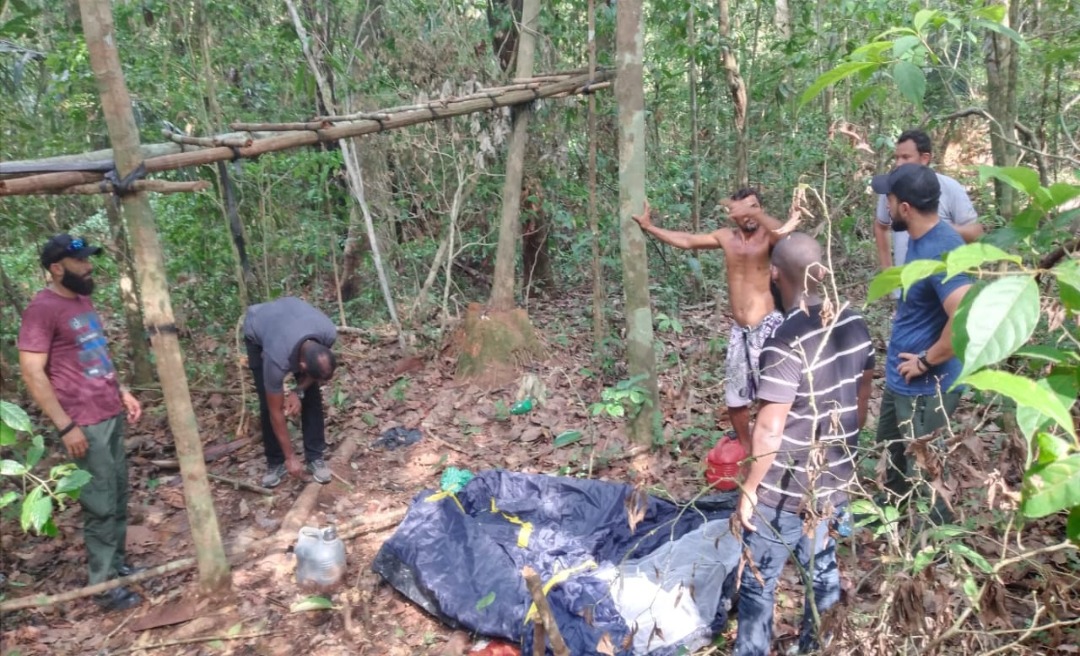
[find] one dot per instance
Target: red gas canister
(722, 463)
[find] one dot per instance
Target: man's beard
(82, 285)
(750, 227)
(898, 225)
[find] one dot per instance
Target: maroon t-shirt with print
(79, 367)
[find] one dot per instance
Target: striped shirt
(816, 369)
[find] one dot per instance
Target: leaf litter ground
(469, 427)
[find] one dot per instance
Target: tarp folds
(460, 558)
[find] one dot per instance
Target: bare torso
(747, 259)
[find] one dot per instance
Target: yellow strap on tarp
(438, 496)
(555, 580)
(526, 527)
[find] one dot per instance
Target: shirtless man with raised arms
(746, 248)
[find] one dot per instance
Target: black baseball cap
(64, 245)
(914, 184)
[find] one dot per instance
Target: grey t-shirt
(280, 327)
(954, 207)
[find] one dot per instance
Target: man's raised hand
(644, 219)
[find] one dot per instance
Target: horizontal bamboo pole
(229, 141)
(38, 184)
(157, 186)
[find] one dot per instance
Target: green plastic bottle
(522, 406)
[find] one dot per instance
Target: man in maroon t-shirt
(66, 365)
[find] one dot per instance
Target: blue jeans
(778, 535)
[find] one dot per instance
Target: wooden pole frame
(45, 182)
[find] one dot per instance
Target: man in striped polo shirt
(816, 374)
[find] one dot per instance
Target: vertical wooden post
(157, 307)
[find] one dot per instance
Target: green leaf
(1018, 177)
(913, 272)
(1068, 277)
(486, 601)
(12, 468)
(14, 416)
(616, 411)
(904, 44)
(1003, 30)
(1051, 448)
(994, 13)
(36, 510)
(830, 77)
(1042, 352)
(567, 437)
(924, 16)
(870, 52)
(7, 435)
(923, 558)
(1072, 525)
(910, 80)
(973, 256)
(36, 450)
(73, 481)
(1029, 420)
(971, 589)
(1024, 392)
(1001, 319)
(1051, 487)
(1060, 193)
(883, 283)
(311, 603)
(8, 497)
(972, 556)
(859, 98)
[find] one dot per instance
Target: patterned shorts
(743, 352)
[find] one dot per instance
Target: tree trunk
(157, 307)
(142, 370)
(599, 323)
(783, 19)
(630, 96)
(695, 139)
(535, 259)
(1002, 60)
(244, 273)
(737, 89)
(502, 287)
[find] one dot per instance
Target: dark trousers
(778, 535)
(903, 419)
(104, 499)
(312, 422)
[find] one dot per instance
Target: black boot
(118, 599)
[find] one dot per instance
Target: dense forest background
(200, 65)
(801, 100)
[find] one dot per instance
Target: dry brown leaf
(636, 503)
(605, 646)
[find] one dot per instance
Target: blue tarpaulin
(459, 556)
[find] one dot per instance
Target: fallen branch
(238, 484)
(543, 610)
(197, 640)
(359, 526)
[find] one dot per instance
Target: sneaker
(128, 570)
(118, 599)
(320, 471)
(273, 477)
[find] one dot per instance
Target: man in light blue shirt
(920, 366)
(954, 206)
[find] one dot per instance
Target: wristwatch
(924, 361)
